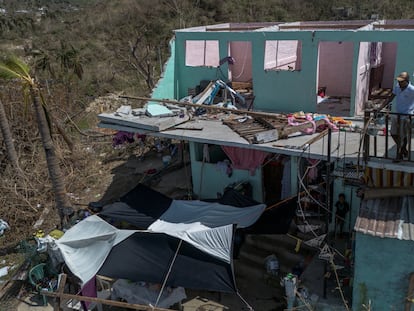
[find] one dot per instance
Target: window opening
(202, 53)
(283, 55)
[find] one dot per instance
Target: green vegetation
(79, 50)
(120, 44)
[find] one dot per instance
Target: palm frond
(12, 67)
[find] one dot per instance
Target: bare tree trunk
(62, 201)
(8, 139)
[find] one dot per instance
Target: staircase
(250, 268)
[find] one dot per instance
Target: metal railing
(378, 139)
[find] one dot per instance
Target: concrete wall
(389, 54)
(335, 67)
(382, 268)
(165, 85)
(208, 179)
(287, 91)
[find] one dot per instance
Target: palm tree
(13, 68)
(8, 138)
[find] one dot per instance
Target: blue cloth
(404, 99)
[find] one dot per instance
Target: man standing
(403, 93)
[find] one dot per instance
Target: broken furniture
(38, 279)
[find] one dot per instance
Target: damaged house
(289, 109)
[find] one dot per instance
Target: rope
(339, 284)
(245, 302)
(168, 274)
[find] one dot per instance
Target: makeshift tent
(142, 206)
(195, 238)
(181, 243)
(203, 255)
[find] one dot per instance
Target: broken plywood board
(266, 136)
(154, 124)
(257, 130)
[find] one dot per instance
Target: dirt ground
(111, 173)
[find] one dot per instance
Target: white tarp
(86, 245)
(214, 241)
(211, 214)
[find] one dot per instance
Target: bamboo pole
(209, 107)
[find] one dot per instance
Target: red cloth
(245, 159)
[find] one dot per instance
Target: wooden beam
(387, 192)
(62, 282)
(315, 139)
(208, 107)
(103, 301)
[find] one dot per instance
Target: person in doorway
(403, 92)
(342, 208)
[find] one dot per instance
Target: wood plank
(208, 107)
(266, 136)
(62, 282)
(103, 301)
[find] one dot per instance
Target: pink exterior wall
(241, 70)
(335, 67)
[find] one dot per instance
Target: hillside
(80, 50)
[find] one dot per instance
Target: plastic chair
(37, 280)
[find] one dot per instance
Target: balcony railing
(378, 141)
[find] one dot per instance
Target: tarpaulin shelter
(181, 243)
(142, 206)
(198, 257)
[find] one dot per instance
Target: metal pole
(328, 202)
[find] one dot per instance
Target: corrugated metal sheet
(387, 218)
(379, 177)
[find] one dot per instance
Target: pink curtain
(245, 159)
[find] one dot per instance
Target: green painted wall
(285, 91)
(165, 87)
(208, 180)
(382, 268)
